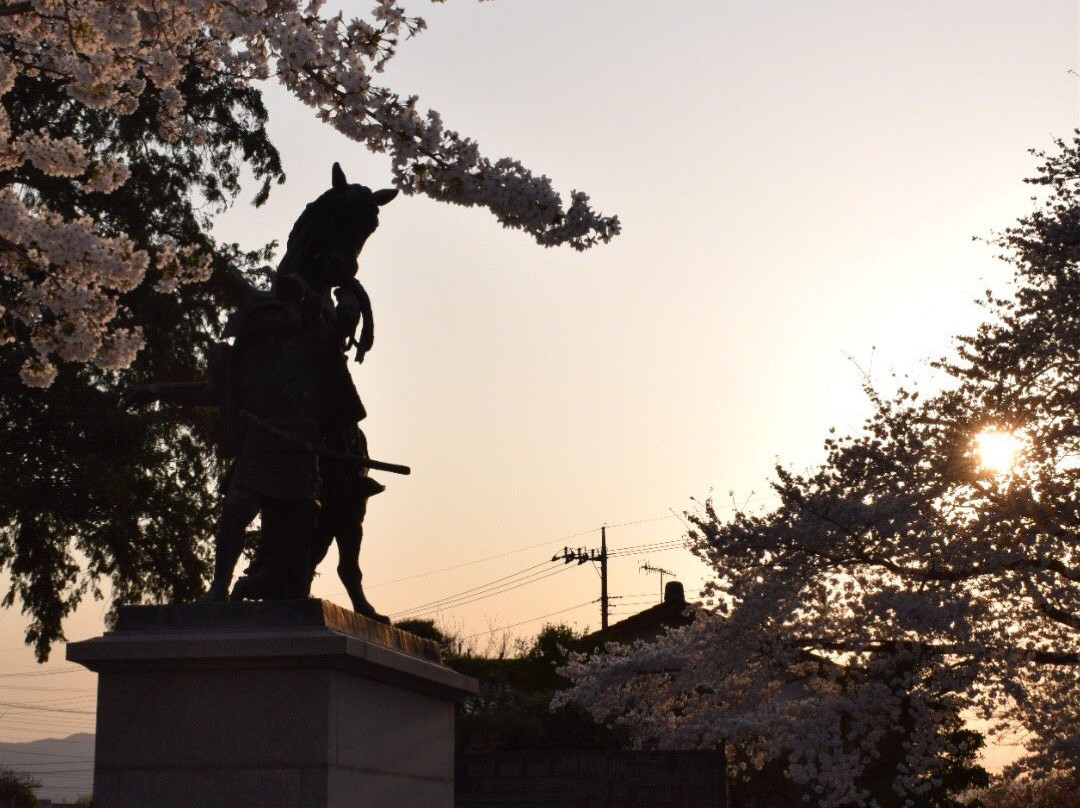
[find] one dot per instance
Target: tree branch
(12, 9)
(1061, 569)
(1048, 609)
(890, 646)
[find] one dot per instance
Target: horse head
(326, 240)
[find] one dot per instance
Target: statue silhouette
(289, 408)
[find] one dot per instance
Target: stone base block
(287, 703)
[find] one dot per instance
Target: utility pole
(603, 578)
(583, 556)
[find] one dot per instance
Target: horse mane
(308, 232)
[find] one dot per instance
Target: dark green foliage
(959, 770)
(17, 789)
(450, 645)
(93, 493)
(513, 709)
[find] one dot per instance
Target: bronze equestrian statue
(290, 410)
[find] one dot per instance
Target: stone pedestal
(260, 705)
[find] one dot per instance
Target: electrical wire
(646, 545)
(531, 619)
(58, 671)
(514, 551)
(508, 583)
(49, 689)
(655, 548)
(471, 596)
(46, 709)
(643, 521)
(505, 580)
(66, 771)
(493, 582)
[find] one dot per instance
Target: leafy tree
(92, 492)
(513, 709)
(450, 644)
(17, 789)
(907, 576)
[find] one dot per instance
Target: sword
(323, 451)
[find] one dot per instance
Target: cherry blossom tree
(908, 575)
(106, 55)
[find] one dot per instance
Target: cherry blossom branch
(108, 54)
(1048, 609)
(943, 650)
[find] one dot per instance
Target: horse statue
(289, 408)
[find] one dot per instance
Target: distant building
(649, 624)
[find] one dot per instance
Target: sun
(997, 450)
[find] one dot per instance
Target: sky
(800, 185)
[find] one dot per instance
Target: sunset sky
(799, 185)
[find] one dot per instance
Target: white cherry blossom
(109, 54)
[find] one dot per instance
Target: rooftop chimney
(673, 593)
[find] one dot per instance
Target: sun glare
(997, 450)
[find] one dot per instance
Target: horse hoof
(368, 611)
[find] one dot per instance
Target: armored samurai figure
(289, 408)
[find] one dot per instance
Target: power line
(515, 551)
(522, 577)
(679, 541)
(658, 547)
(35, 726)
(49, 688)
(463, 599)
(643, 521)
(58, 721)
(530, 620)
(66, 701)
(72, 697)
(497, 583)
(46, 709)
(65, 771)
(476, 588)
(72, 669)
(479, 560)
(511, 586)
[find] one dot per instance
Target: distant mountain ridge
(65, 766)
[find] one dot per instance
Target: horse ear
(384, 196)
(338, 177)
